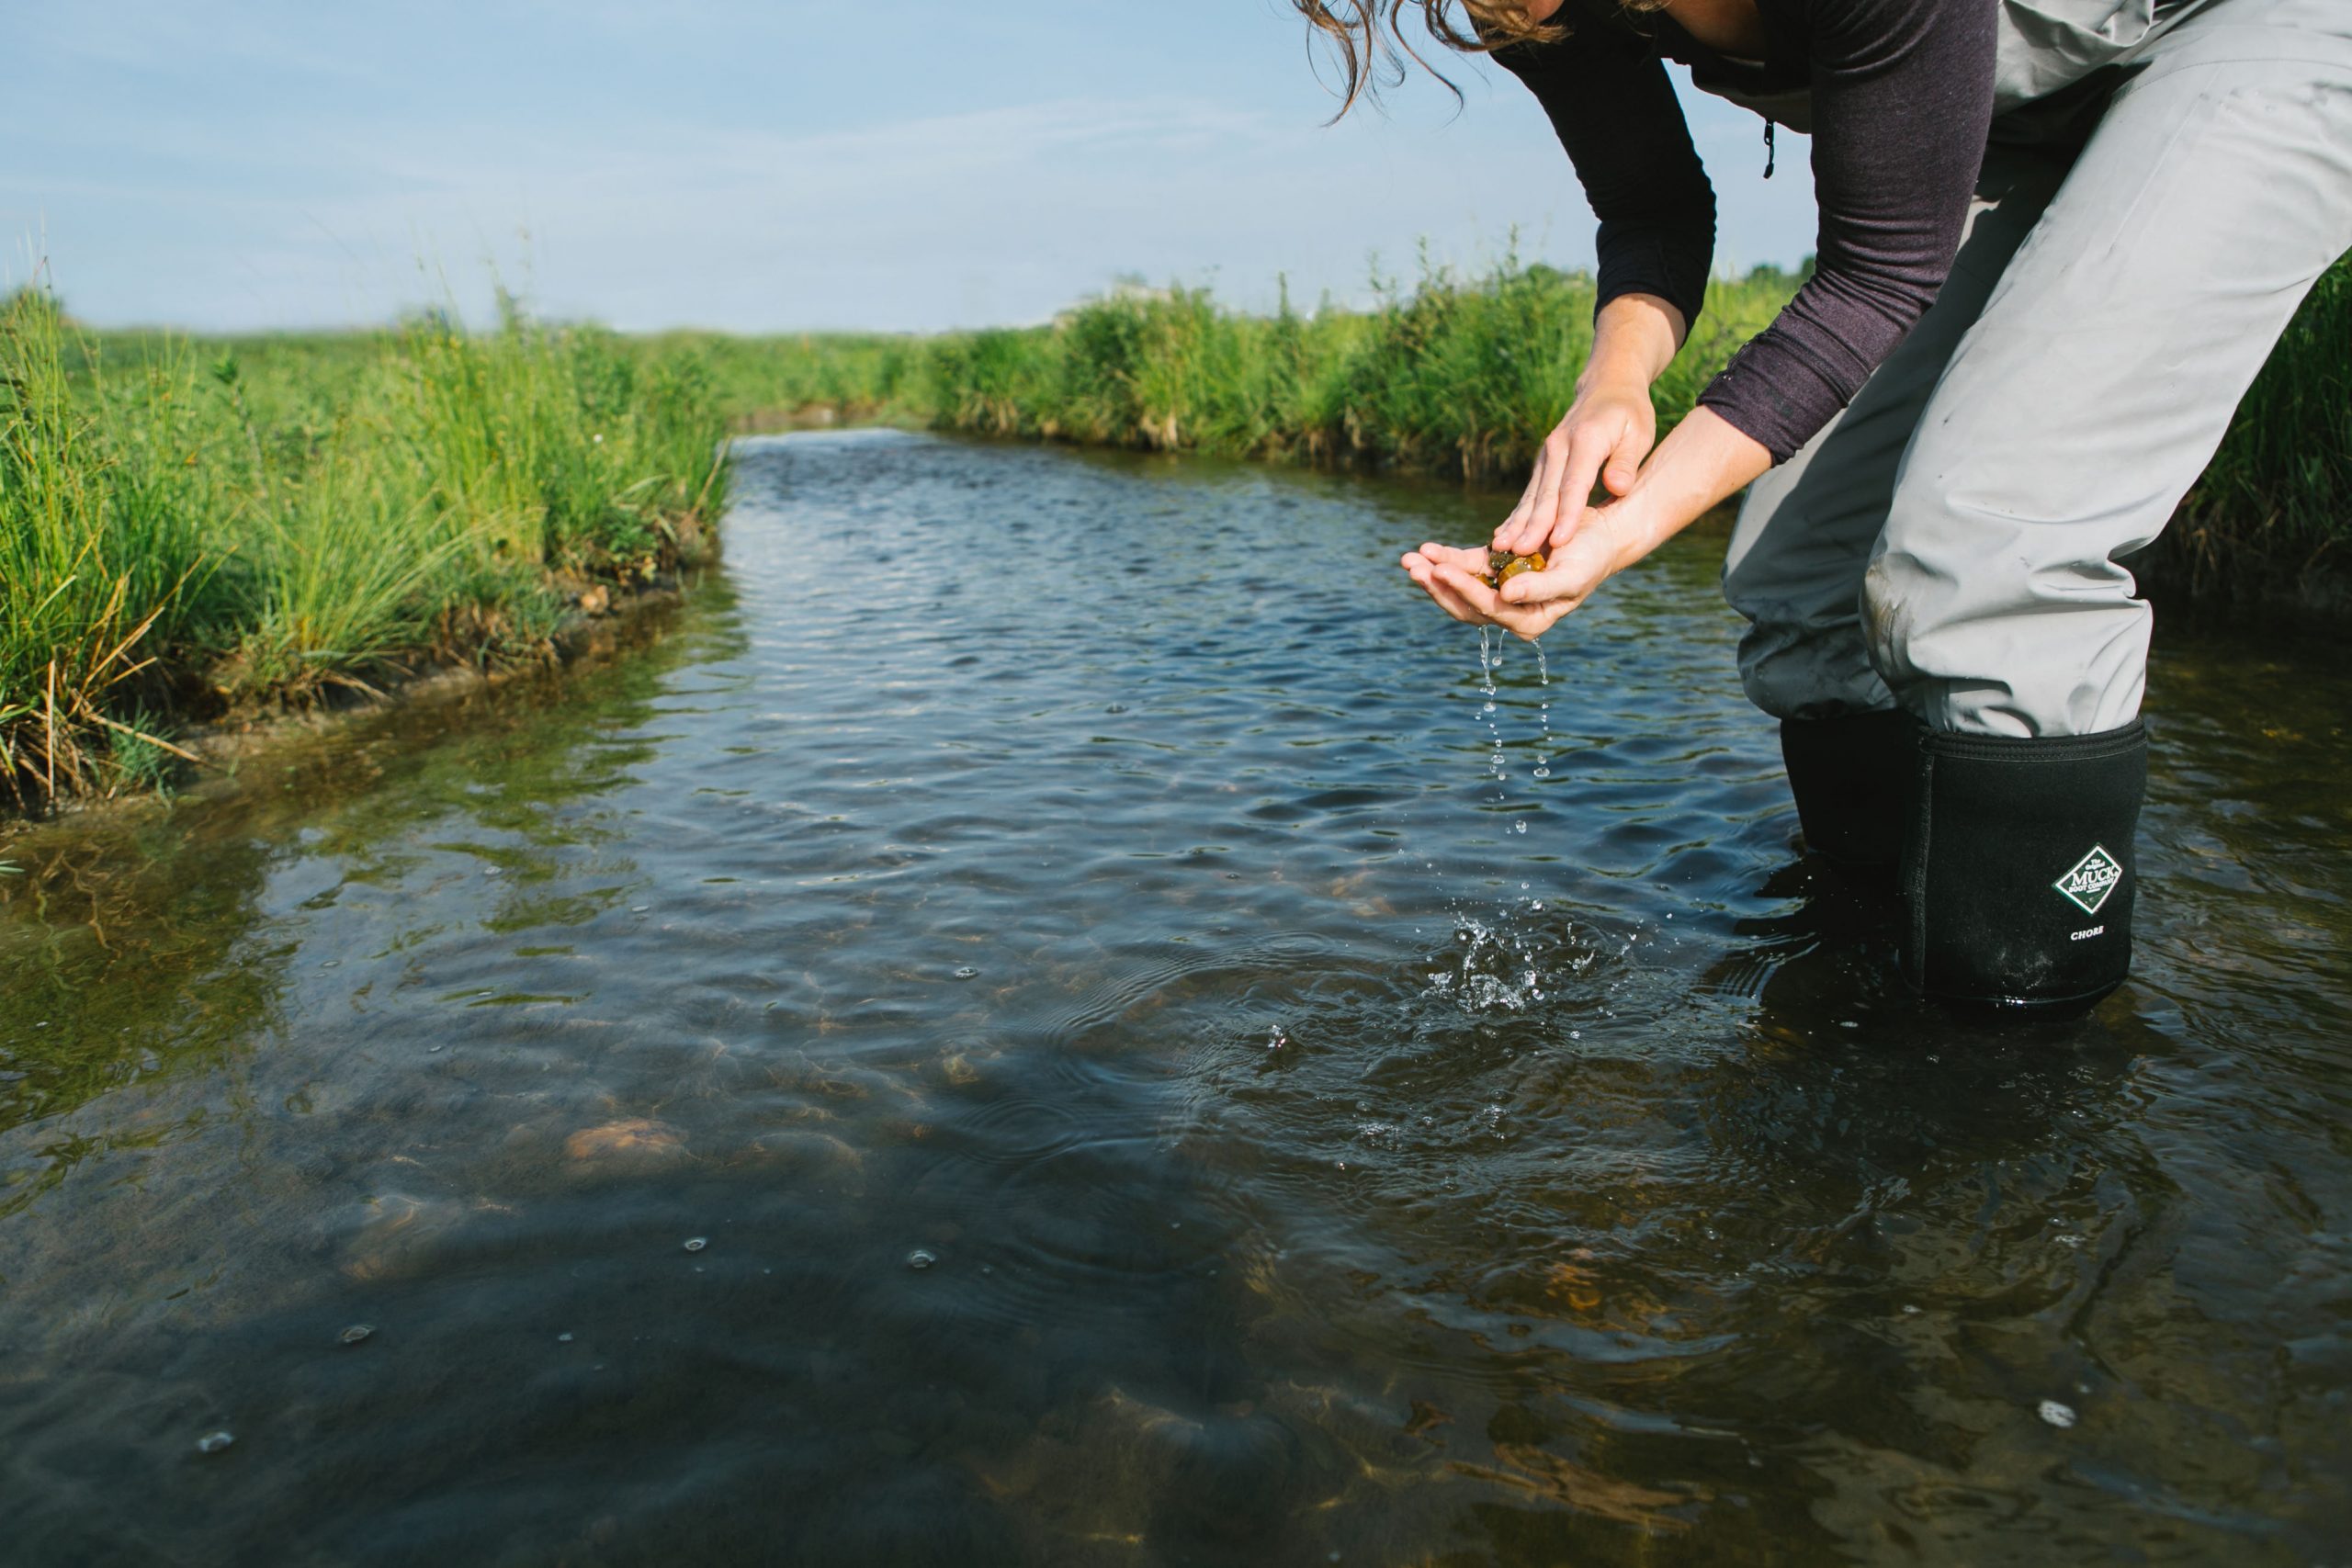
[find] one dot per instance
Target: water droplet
(563, 1339)
(696, 1243)
(966, 973)
(356, 1333)
(1522, 827)
(919, 1259)
(213, 1442)
(433, 1050)
(1116, 708)
(2059, 1415)
(1542, 772)
(639, 908)
(332, 964)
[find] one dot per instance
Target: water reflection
(1140, 1098)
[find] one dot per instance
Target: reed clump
(1451, 375)
(187, 534)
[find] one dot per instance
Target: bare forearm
(1634, 338)
(1703, 462)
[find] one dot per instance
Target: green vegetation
(197, 530)
(771, 383)
(1449, 377)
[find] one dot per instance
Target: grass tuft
(311, 515)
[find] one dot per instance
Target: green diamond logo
(2092, 879)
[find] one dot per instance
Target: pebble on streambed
(356, 1333)
(632, 1138)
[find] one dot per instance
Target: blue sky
(761, 167)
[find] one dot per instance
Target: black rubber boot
(2017, 874)
(1852, 778)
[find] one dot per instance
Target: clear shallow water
(1050, 926)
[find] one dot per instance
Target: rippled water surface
(1026, 1025)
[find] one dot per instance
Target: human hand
(1532, 603)
(1605, 434)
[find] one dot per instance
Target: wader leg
(2074, 414)
(1804, 538)
(2102, 371)
(1806, 529)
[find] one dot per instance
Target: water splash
(1543, 716)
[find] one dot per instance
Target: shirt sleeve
(1902, 103)
(1610, 102)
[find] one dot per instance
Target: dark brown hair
(1355, 28)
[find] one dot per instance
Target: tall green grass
(269, 521)
(769, 383)
(102, 556)
(1451, 375)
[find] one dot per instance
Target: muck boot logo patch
(2092, 879)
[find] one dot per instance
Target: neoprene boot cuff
(2018, 878)
(1851, 776)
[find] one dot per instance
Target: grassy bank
(1450, 377)
(1466, 376)
(189, 531)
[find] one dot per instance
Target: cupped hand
(1531, 604)
(1605, 436)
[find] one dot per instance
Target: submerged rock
(633, 1138)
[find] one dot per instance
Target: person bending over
(2057, 239)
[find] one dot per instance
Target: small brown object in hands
(1496, 576)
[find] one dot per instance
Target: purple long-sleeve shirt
(1901, 100)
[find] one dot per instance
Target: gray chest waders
(2163, 185)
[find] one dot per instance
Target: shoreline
(219, 749)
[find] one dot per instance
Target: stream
(1038, 1018)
